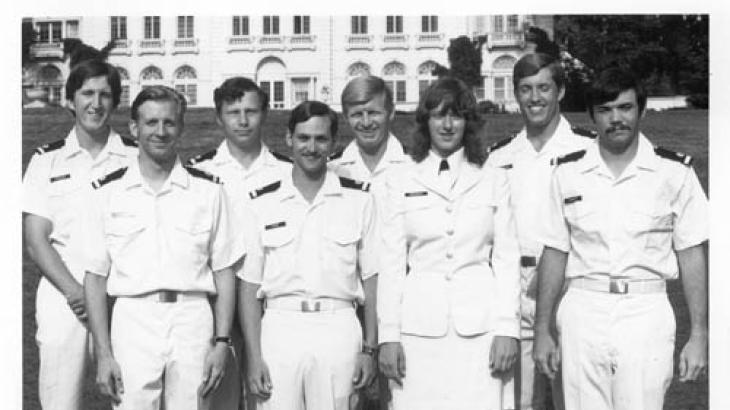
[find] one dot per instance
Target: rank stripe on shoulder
(202, 174)
(680, 157)
(275, 225)
(129, 142)
(200, 158)
(112, 176)
(352, 184)
(573, 156)
(60, 178)
(501, 143)
(265, 190)
(584, 132)
(51, 146)
(281, 157)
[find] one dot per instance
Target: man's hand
(364, 371)
(214, 368)
(392, 361)
(693, 359)
(109, 379)
(546, 355)
(259, 381)
(503, 354)
(77, 302)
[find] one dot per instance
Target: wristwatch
(223, 339)
(369, 350)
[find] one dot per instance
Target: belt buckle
(308, 306)
(620, 286)
(167, 296)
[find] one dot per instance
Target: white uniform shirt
(57, 181)
(237, 180)
(628, 226)
(173, 239)
(449, 255)
(322, 249)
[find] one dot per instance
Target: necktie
(443, 166)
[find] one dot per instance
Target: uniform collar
(393, 153)
(178, 176)
(224, 156)
(330, 187)
(455, 160)
(644, 159)
(113, 145)
(552, 146)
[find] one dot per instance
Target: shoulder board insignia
(336, 155)
(264, 190)
(573, 156)
(506, 166)
(352, 184)
(584, 132)
(129, 142)
(113, 176)
(501, 143)
(281, 157)
(51, 146)
(202, 174)
(200, 158)
(673, 155)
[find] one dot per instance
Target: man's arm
(693, 271)
(223, 308)
(37, 233)
(365, 368)
(250, 310)
(550, 279)
(108, 374)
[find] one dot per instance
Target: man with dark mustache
(539, 85)
(623, 217)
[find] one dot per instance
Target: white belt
(301, 304)
(619, 285)
(170, 296)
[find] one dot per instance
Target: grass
(682, 130)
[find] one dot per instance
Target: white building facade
(293, 58)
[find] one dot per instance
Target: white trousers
(161, 348)
(616, 350)
(311, 358)
(64, 346)
(449, 373)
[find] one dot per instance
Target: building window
(277, 101)
(49, 32)
(394, 76)
(301, 24)
(425, 76)
(150, 76)
(359, 25)
(300, 88)
(512, 23)
(498, 24)
(72, 29)
(185, 27)
(124, 77)
(399, 93)
(499, 89)
(394, 24)
(152, 27)
(51, 80)
(358, 69)
(118, 27)
(240, 25)
(429, 24)
(271, 25)
(185, 84)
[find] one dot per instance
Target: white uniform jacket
(448, 256)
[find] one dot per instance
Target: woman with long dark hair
(449, 290)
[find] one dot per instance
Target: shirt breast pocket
(65, 200)
(341, 247)
(422, 213)
(581, 217)
(195, 235)
(121, 231)
(654, 222)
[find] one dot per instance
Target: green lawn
(683, 130)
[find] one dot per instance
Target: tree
(28, 36)
(465, 60)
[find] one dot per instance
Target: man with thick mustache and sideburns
(54, 191)
(539, 85)
(311, 262)
(624, 216)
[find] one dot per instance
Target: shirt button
(450, 231)
(449, 208)
(449, 255)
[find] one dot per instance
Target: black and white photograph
(268, 209)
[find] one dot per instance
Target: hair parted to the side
(90, 69)
(611, 82)
(234, 88)
(159, 93)
(450, 94)
(364, 88)
(308, 109)
(530, 64)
